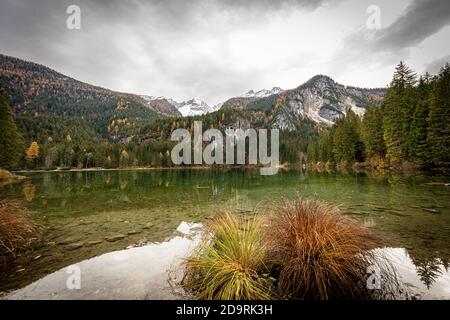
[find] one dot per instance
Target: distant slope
(251, 96)
(36, 91)
(323, 100)
(194, 107)
(320, 99)
(34, 88)
(188, 108)
(163, 105)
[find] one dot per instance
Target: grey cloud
(421, 19)
(434, 66)
(152, 47)
(35, 30)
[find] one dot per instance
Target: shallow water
(87, 214)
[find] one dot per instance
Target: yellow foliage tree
(33, 151)
(124, 154)
(124, 158)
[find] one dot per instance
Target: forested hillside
(61, 122)
(411, 126)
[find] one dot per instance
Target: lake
(92, 213)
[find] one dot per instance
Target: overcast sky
(217, 49)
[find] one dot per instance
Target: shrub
(302, 249)
(230, 264)
(377, 162)
(317, 252)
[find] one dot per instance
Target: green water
(85, 214)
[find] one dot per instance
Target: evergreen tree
(347, 145)
(419, 149)
(11, 142)
(326, 147)
(372, 132)
(398, 112)
(312, 152)
(439, 118)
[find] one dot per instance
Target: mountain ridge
(37, 89)
(320, 99)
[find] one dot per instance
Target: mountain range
(36, 90)
(189, 108)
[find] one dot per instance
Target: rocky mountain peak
(261, 93)
(194, 107)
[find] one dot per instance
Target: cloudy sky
(221, 48)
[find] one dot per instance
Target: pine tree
(419, 149)
(439, 119)
(326, 147)
(398, 111)
(347, 145)
(404, 77)
(312, 151)
(11, 142)
(372, 132)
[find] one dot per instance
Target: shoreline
(253, 167)
(441, 171)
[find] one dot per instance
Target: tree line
(412, 125)
(61, 141)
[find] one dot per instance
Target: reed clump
(17, 230)
(301, 249)
(231, 262)
(317, 252)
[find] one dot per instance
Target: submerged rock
(116, 237)
(93, 242)
(68, 241)
(148, 225)
(431, 210)
(132, 232)
(74, 246)
(188, 228)
(437, 184)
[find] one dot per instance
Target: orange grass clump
(16, 227)
(317, 252)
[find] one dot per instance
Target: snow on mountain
(162, 105)
(320, 99)
(194, 107)
(154, 98)
(261, 93)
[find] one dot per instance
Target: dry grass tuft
(318, 252)
(302, 249)
(16, 228)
